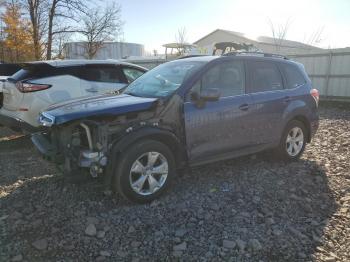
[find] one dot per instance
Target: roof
(217, 30)
(284, 42)
(77, 62)
(260, 39)
(204, 58)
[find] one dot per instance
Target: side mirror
(210, 94)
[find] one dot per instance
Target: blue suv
(183, 113)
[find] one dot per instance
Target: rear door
(101, 79)
(270, 99)
(221, 126)
(63, 81)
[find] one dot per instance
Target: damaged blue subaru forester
(183, 113)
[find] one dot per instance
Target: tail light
(315, 94)
(29, 87)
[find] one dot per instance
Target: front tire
(293, 141)
(144, 171)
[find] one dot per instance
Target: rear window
(293, 76)
(8, 69)
(24, 74)
(265, 77)
(42, 71)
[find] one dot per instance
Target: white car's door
(65, 85)
(101, 79)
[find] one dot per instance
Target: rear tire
(144, 171)
(293, 141)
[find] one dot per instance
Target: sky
(156, 22)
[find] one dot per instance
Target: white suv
(41, 84)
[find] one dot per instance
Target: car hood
(94, 106)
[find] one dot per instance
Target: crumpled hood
(94, 106)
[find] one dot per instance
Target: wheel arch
(298, 110)
(306, 123)
(152, 133)
(164, 136)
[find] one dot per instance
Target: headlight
(46, 119)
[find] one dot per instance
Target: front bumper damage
(73, 150)
(95, 143)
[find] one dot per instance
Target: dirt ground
(247, 209)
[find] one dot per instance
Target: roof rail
(189, 56)
(256, 54)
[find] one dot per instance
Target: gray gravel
(248, 209)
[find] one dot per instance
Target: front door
(218, 127)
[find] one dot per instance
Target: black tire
(281, 151)
(122, 172)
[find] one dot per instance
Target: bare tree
(58, 46)
(99, 27)
(279, 32)
(49, 18)
(181, 40)
(316, 37)
(38, 19)
(59, 11)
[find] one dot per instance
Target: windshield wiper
(132, 94)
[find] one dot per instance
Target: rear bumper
(17, 124)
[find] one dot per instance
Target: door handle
(287, 99)
(92, 90)
(244, 107)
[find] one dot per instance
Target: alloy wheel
(295, 141)
(148, 173)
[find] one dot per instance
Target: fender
(298, 109)
(295, 108)
(118, 146)
(156, 133)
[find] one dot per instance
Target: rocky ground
(247, 209)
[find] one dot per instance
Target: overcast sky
(155, 22)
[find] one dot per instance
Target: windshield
(163, 80)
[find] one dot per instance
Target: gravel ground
(247, 209)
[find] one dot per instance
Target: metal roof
(261, 39)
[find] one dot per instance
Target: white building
(110, 50)
(264, 43)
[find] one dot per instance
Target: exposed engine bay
(89, 143)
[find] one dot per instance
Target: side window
(293, 76)
(71, 70)
(132, 74)
(265, 77)
(228, 77)
(100, 74)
